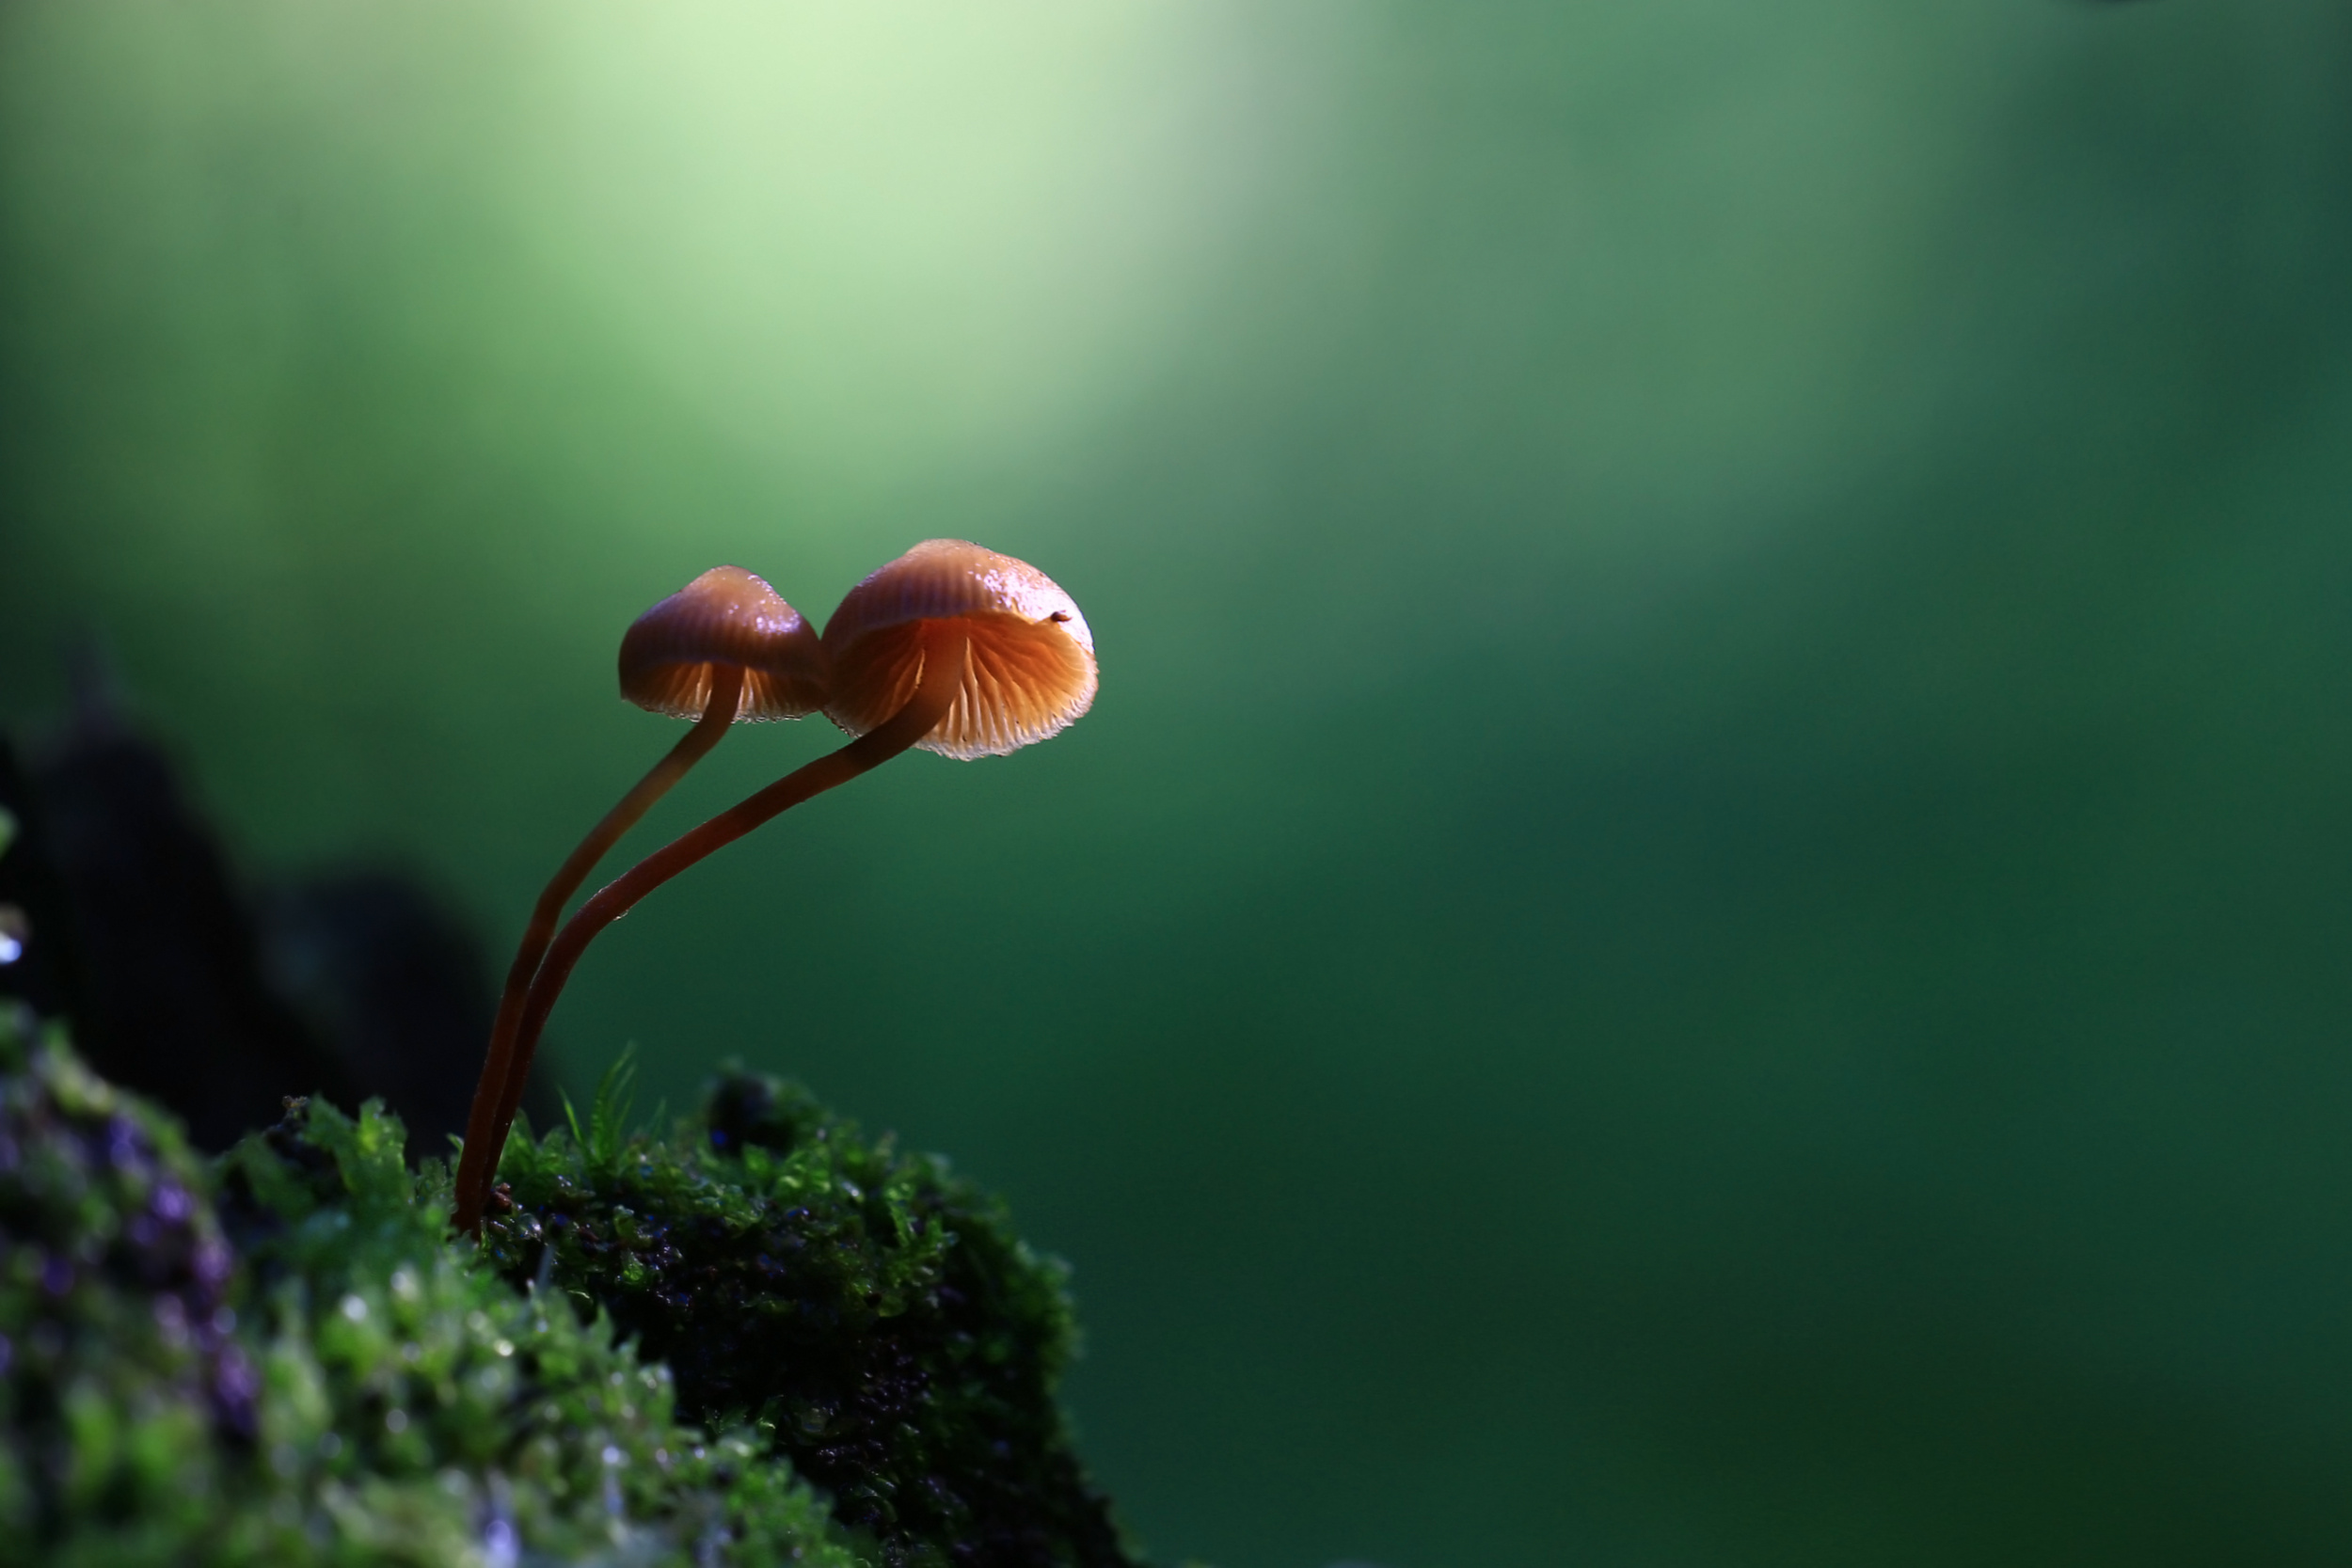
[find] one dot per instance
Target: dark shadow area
(126, 915)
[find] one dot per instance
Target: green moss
(283, 1360)
(415, 1405)
(345, 1387)
(873, 1316)
(125, 1400)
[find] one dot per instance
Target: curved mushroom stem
(934, 693)
(726, 691)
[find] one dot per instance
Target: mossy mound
(342, 1386)
(283, 1360)
(872, 1314)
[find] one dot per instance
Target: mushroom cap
(1031, 672)
(725, 616)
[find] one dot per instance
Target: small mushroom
(725, 647)
(951, 647)
(676, 655)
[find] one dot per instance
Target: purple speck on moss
(125, 1147)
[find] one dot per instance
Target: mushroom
(725, 647)
(1032, 672)
(951, 647)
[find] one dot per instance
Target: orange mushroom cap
(725, 616)
(1031, 672)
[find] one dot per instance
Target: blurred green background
(1704, 920)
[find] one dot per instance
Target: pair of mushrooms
(951, 648)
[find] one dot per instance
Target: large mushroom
(952, 648)
(723, 648)
(1032, 672)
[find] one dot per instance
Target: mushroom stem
(498, 1070)
(935, 692)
